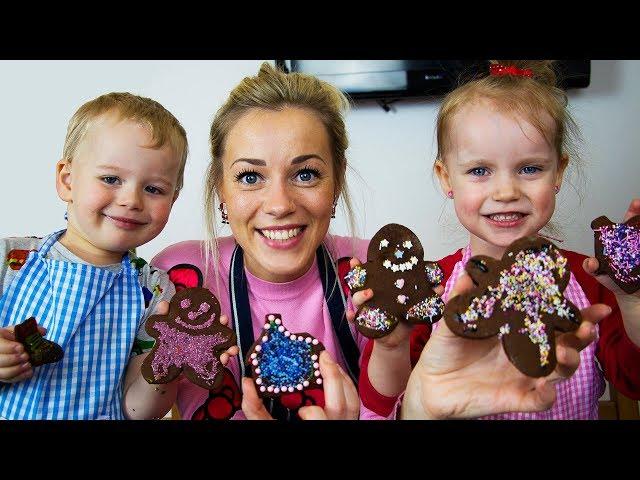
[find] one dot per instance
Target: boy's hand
(14, 360)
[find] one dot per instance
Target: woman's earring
(557, 189)
(450, 194)
(333, 211)
(225, 216)
(66, 217)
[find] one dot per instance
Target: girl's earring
(223, 212)
(450, 194)
(557, 189)
(66, 217)
(333, 211)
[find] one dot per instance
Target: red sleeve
(371, 398)
(617, 354)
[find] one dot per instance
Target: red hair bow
(500, 70)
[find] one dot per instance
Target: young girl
(502, 152)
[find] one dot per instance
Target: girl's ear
(443, 175)
(63, 180)
(563, 161)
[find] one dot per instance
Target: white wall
(392, 152)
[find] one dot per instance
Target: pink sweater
(300, 302)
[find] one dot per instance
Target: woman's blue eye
(250, 178)
(307, 175)
(479, 172)
(530, 170)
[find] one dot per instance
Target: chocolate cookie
(520, 299)
(189, 338)
(40, 349)
(284, 362)
(401, 280)
(617, 247)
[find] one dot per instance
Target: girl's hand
(467, 378)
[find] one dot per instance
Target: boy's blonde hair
(164, 127)
(273, 89)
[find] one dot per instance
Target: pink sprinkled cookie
(189, 339)
(520, 299)
(617, 248)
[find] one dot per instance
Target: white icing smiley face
(398, 253)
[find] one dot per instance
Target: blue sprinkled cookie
(284, 362)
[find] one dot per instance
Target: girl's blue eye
(478, 172)
(530, 170)
(109, 180)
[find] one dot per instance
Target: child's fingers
(228, 353)
(252, 406)
(224, 320)
(8, 347)
(16, 373)
(7, 334)
(354, 262)
(633, 210)
(360, 297)
(462, 285)
(162, 308)
(439, 290)
(13, 359)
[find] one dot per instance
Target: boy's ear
(175, 197)
(441, 171)
(63, 180)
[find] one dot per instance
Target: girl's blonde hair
(529, 97)
(164, 127)
(273, 89)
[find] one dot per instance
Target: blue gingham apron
(93, 314)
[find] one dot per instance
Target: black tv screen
(386, 79)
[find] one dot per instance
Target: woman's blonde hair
(164, 127)
(529, 97)
(273, 89)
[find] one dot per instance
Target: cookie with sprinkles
(617, 248)
(520, 299)
(189, 339)
(402, 283)
(284, 362)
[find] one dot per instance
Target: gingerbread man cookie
(520, 299)
(401, 280)
(617, 247)
(189, 339)
(284, 362)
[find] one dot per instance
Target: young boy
(121, 171)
